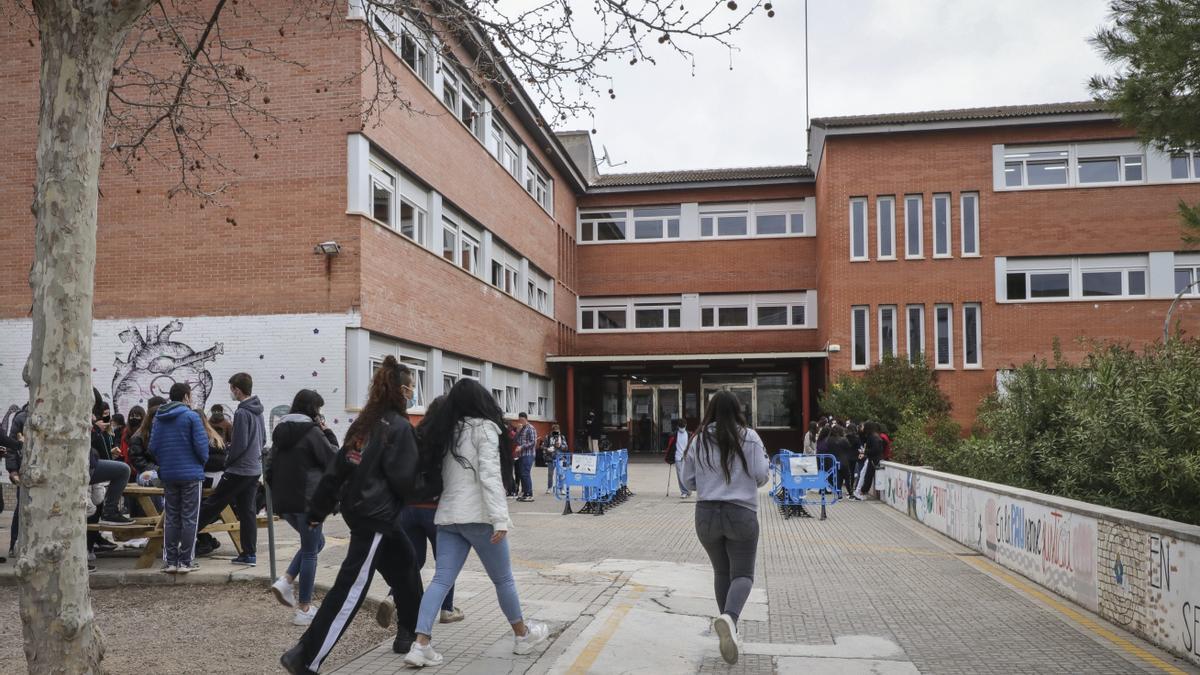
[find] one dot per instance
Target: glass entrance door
(651, 409)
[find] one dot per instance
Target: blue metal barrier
(601, 479)
(794, 475)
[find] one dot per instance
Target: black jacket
(12, 458)
(372, 482)
(216, 459)
(846, 454)
(874, 449)
(139, 453)
(300, 453)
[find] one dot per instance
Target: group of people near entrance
(858, 448)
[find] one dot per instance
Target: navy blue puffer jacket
(178, 443)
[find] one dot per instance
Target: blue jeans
(116, 474)
(418, 526)
(180, 520)
(454, 543)
(526, 475)
(303, 567)
(551, 463)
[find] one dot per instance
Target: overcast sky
(868, 56)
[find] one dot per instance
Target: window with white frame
(724, 222)
(498, 274)
(887, 331)
(498, 394)
(773, 219)
(383, 194)
(943, 339)
(468, 252)
(972, 343)
(656, 222)
(915, 345)
(530, 293)
(505, 148)
(885, 234)
(609, 317)
(512, 156)
(941, 226)
(728, 316)
(860, 337)
(602, 226)
(1081, 278)
(968, 214)
(537, 184)
(470, 111)
(914, 231)
(1035, 167)
(1116, 169)
(543, 407)
(472, 373)
(450, 85)
(414, 50)
(656, 315)
(542, 387)
(412, 221)
(417, 366)
(512, 400)
(1185, 165)
(448, 381)
(449, 240)
(511, 275)
(1186, 278)
(543, 301)
(858, 229)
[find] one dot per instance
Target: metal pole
(1167, 320)
(270, 530)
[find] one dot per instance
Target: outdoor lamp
(329, 248)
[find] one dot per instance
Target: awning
(640, 358)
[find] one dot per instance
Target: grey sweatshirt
(708, 479)
(244, 456)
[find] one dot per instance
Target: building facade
(463, 237)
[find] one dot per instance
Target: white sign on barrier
(802, 466)
(583, 464)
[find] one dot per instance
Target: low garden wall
(1139, 572)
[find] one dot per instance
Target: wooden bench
(150, 527)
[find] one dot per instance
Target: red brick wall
(698, 342)
(1046, 222)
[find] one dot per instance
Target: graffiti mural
(155, 362)
(1173, 593)
(1122, 579)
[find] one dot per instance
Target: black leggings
(729, 534)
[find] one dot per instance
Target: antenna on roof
(806, 125)
(607, 161)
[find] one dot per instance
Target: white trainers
(169, 569)
(385, 612)
(535, 634)
(727, 632)
(452, 616)
(304, 618)
(285, 592)
(420, 657)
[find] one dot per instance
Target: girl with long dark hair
(371, 476)
(725, 464)
(466, 440)
(301, 450)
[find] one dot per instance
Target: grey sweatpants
(180, 520)
(729, 534)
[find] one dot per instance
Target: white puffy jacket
(474, 496)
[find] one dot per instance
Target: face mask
(135, 421)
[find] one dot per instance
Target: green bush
(891, 392)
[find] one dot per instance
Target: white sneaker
(548, 490)
(535, 634)
(285, 592)
(422, 656)
(304, 618)
(727, 632)
(169, 569)
(385, 612)
(452, 616)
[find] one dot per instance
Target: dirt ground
(235, 628)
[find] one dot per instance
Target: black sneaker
(103, 546)
(205, 548)
(293, 662)
(404, 640)
(116, 520)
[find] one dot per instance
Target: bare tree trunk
(80, 41)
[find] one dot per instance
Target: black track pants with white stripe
(368, 551)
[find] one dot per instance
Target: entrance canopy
(640, 358)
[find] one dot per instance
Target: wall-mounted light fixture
(329, 248)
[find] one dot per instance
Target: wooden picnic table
(150, 526)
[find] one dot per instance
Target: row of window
(444, 76)
(887, 333)
(914, 226)
(769, 400)
(658, 223)
(505, 384)
(711, 311)
(1091, 164)
(396, 202)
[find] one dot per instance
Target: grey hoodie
(708, 479)
(244, 456)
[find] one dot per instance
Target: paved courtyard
(865, 591)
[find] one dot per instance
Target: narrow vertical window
(943, 340)
(916, 333)
(941, 226)
(858, 229)
(885, 216)
(914, 233)
(969, 213)
(971, 339)
(861, 336)
(887, 331)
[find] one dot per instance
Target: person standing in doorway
(594, 431)
(243, 466)
(726, 466)
(680, 446)
(526, 444)
(467, 438)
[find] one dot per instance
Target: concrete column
(523, 282)
(486, 376)
(433, 242)
(485, 256)
(526, 394)
(358, 367)
(689, 311)
(570, 404)
(434, 373)
(1161, 280)
(358, 184)
(804, 394)
(689, 221)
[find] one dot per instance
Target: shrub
(889, 392)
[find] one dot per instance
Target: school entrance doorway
(651, 409)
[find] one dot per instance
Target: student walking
(467, 438)
(846, 456)
(243, 466)
(180, 447)
(301, 450)
(371, 476)
(726, 465)
(679, 447)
